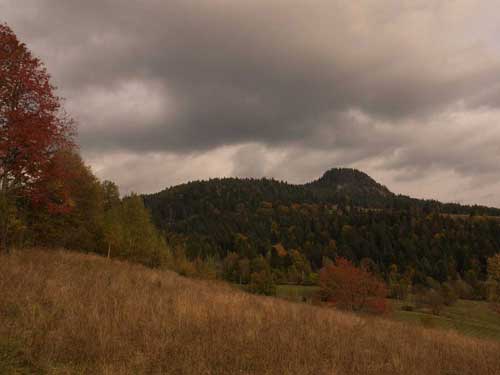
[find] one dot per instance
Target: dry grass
(75, 313)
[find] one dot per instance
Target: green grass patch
(471, 318)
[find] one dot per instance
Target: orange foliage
(280, 250)
(352, 288)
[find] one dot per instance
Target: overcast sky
(166, 91)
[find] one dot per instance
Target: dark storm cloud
(310, 82)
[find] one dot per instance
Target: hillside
(343, 213)
(64, 313)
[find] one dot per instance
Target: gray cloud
(285, 88)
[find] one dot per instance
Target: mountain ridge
(351, 186)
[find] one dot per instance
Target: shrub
(352, 288)
(262, 283)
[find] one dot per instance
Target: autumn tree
(130, 233)
(33, 130)
(78, 223)
(352, 288)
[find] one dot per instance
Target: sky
(168, 91)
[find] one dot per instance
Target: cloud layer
(168, 91)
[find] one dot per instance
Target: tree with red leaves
(352, 288)
(33, 130)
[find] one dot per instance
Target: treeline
(245, 222)
(96, 220)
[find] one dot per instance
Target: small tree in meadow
(352, 288)
(262, 282)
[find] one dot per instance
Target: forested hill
(345, 212)
(338, 186)
(350, 186)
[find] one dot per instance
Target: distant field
(472, 318)
(69, 313)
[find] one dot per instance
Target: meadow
(471, 318)
(71, 313)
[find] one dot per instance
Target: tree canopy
(277, 220)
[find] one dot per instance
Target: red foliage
(352, 288)
(59, 186)
(33, 129)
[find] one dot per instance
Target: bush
(352, 288)
(262, 283)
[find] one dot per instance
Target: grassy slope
(72, 313)
(12, 360)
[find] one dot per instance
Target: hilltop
(63, 312)
(350, 186)
(345, 186)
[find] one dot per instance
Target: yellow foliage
(280, 249)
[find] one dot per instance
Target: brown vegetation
(352, 288)
(75, 313)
